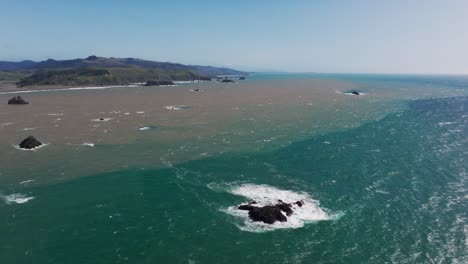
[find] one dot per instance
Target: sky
(362, 36)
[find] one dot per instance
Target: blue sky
(425, 36)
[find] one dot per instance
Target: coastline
(13, 89)
(37, 89)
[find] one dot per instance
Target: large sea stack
(29, 143)
(17, 100)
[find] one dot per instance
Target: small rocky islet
(269, 214)
(17, 100)
(30, 143)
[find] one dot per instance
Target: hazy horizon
(296, 36)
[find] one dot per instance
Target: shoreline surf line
(72, 89)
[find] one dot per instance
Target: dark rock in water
(196, 90)
(300, 203)
(285, 208)
(18, 100)
(242, 78)
(30, 143)
(246, 207)
(227, 81)
(158, 83)
(101, 119)
(203, 78)
(355, 93)
(268, 214)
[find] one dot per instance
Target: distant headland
(101, 71)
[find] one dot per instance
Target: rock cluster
(269, 214)
(158, 83)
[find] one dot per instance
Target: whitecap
(144, 128)
(446, 123)
(267, 195)
(17, 198)
(27, 181)
(88, 144)
(176, 107)
(140, 112)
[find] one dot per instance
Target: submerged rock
(158, 83)
(355, 93)
(17, 100)
(227, 81)
(29, 143)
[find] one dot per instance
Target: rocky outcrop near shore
(17, 100)
(159, 83)
(30, 143)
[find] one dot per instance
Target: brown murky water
(147, 127)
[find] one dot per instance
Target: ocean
(384, 178)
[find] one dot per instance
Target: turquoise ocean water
(393, 190)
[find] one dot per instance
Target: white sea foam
(144, 128)
(70, 89)
(176, 107)
(446, 123)
(29, 128)
(27, 181)
(267, 195)
(140, 112)
(88, 144)
(17, 198)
